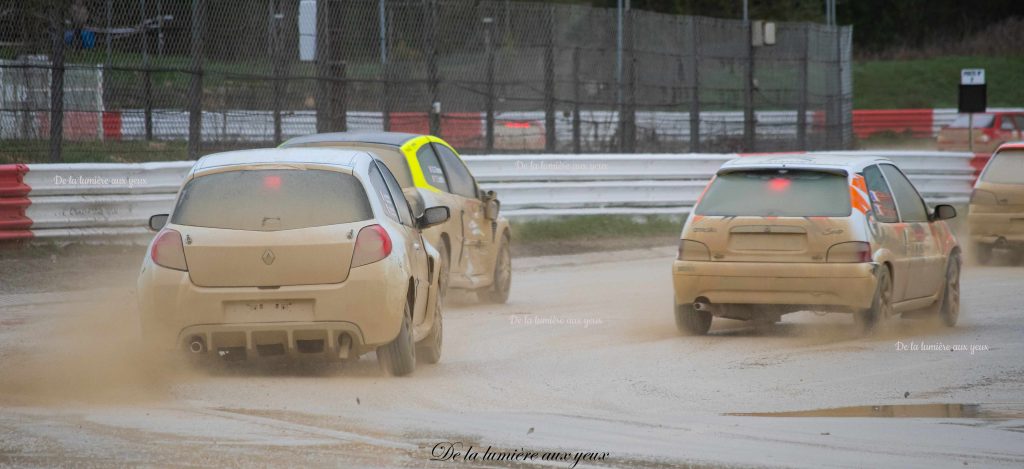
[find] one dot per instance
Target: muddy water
(966, 411)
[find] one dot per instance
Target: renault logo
(268, 257)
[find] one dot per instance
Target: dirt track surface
(584, 358)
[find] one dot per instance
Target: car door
(435, 175)
(1008, 130)
(927, 261)
(398, 211)
(476, 228)
(886, 229)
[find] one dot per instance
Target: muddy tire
(398, 357)
(692, 322)
(498, 292)
(983, 253)
(429, 349)
(869, 320)
(950, 309)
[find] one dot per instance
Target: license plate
(277, 310)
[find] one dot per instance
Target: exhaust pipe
(196, 345)
(345, 346)
(701, 306)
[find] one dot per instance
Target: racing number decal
(858, 194)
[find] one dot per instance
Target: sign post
(972, 98)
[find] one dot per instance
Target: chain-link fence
(163, 79)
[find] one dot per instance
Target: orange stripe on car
(858, 199)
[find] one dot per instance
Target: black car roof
(385, 138)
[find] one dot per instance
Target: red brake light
(168, 251)
(852, 251)
(517, 125)
(272, 182)
(372, 245)
(779, 184)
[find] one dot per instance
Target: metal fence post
(147, 77)
(576, 131)
(748, 90)
(195, 116)
(628, 136)
(274, 19)
(694, 87)
(323, 46)
(803, 84)
(339, 97)
(431, 30)
(489, 99)
(550, 137)
(57, 87)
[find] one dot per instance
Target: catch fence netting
(111, 80)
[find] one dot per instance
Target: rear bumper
(846, 285)
(366, 307)
(990, 228)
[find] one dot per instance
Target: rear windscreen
(1006, 167)
(272, 200)
(777, 193)
(981, 121)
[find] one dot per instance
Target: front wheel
(499, 290)
(869, 319)
(692, 322)
(950, 310)
(398, 357)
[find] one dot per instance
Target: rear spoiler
(818, 169)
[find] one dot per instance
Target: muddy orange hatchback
(293, 252)
(778, 234)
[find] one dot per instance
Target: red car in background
(991, 129)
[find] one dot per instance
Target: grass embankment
(933, 82)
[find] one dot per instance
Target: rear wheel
(430, 347)
(692, 322)
(950, 310)
(868, 320)
(983, 253)
(398, 357)
(499, 290)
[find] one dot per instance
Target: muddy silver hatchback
(778, 234)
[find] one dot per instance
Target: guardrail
(110, 203)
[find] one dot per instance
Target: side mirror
(944, 212)
(157, 222)
(416, 204)
(433, 216)
(492, 208)
(491, 204)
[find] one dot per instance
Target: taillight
(168, 251)
(690, 250)
(980, 197)
(853, 251)
(372, 245)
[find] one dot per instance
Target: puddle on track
(965, 411)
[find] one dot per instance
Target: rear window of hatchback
(777, 192)
(1006, 167)
(272, 200)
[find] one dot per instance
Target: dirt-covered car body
(779, 234)
(288, 251)
(996, 212)
(476, 238)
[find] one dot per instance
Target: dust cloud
(86, 353)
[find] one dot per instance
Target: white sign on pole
(972, 76)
